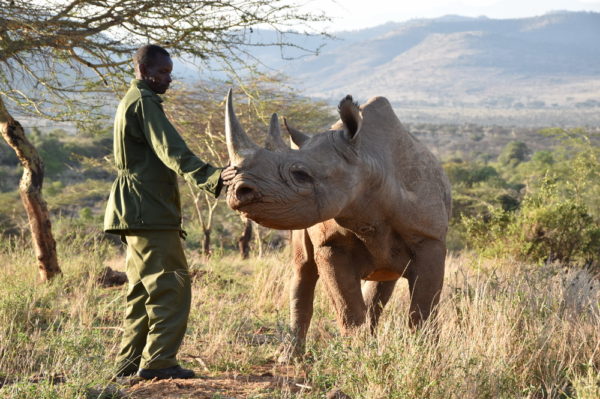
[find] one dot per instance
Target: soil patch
(259, 383)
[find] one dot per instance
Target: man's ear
(141, 70)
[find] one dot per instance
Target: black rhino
(366, 202)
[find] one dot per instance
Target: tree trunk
(259, 241)
(30, 190)
(206, 243)
(245, 238)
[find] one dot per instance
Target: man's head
(153, 65)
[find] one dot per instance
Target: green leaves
(558, 216)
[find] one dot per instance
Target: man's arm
(172, 150)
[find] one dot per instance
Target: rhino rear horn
(274, 142)
(298, 138)
(239, 145)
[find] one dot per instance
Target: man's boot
(174, 372)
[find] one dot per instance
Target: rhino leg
(342, 283)
(376, 294)
(302, 293)
(425, 280)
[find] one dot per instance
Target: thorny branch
(53, 49)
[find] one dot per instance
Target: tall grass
(506, 329)
(54, 337)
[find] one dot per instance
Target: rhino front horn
(239, 145)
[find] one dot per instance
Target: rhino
(367, 204)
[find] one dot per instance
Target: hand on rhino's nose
(228, 174)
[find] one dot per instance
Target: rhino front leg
(376, 295)
(336, 268)
(425, 280)
(302, 293)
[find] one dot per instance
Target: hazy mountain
(546, 62)
(535, 71)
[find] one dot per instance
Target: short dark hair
(146, 54)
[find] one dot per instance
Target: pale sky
(358, 14)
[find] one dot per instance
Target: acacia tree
(56, 57)
(198, 115)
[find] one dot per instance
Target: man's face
(157, 74)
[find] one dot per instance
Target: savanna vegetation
(519, 315)
(519, 318)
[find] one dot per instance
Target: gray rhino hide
(368, 204)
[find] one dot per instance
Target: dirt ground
(270, 381)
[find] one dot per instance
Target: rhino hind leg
(425, 280)
(376, 294)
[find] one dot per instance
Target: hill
(548, 64)
(532, 72)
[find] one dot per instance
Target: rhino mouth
(243, 195)
(269, 212)
(273, 221)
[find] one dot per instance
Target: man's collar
(140, 84)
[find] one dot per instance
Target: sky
(359, 14)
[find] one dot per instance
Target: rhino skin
(367, 202)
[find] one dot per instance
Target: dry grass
(506, 330)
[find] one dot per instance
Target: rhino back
(414, 191)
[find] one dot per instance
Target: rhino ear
(350, 115)
(298, 138)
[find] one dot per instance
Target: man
(144, 208)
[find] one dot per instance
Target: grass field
(506, 330)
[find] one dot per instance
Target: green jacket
(149, 154)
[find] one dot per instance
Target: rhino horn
(239, 145)
(274, 142)
(298, 138)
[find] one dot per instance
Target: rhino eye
(301, 177)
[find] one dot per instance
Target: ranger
(144, 208)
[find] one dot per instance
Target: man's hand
(228, 174)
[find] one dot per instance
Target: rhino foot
(290, 350)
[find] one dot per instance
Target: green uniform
(158, 300)
(149, 154)
(144, 208)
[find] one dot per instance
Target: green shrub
(513, 154)
(545, 227)
(558, 228)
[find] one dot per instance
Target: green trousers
(158, 300)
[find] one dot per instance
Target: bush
(547, 227)
(514, 153)
(468, 174)
(558, 229)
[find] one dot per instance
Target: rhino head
(284, 188)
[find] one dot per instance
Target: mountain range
(548, 62)
(538, 71)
